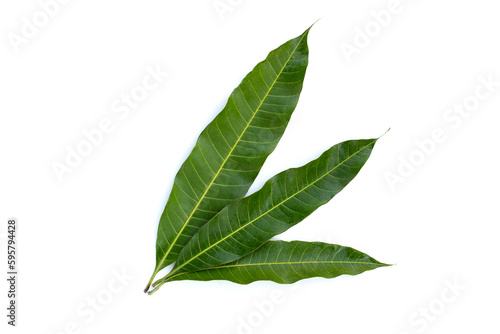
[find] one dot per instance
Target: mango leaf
(287, 262)
(283, 201)
(231, 150)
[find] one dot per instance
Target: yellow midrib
(227, 157)
(269, 210)
(277, 263)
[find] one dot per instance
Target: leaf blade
(233, 147)
(244, 225)
(288, 262)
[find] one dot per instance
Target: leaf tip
(382, 264)
(312, 25)
(315, 22)
(384, 133)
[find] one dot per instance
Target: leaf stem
(163, 281)
(150, 281)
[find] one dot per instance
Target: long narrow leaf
(288, 262)
(231, 150)
(283, 201)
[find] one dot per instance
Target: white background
(438, 226)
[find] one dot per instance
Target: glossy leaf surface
(231, 150)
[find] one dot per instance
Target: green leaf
(231, 150)
(283, 201)
(288, 262)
